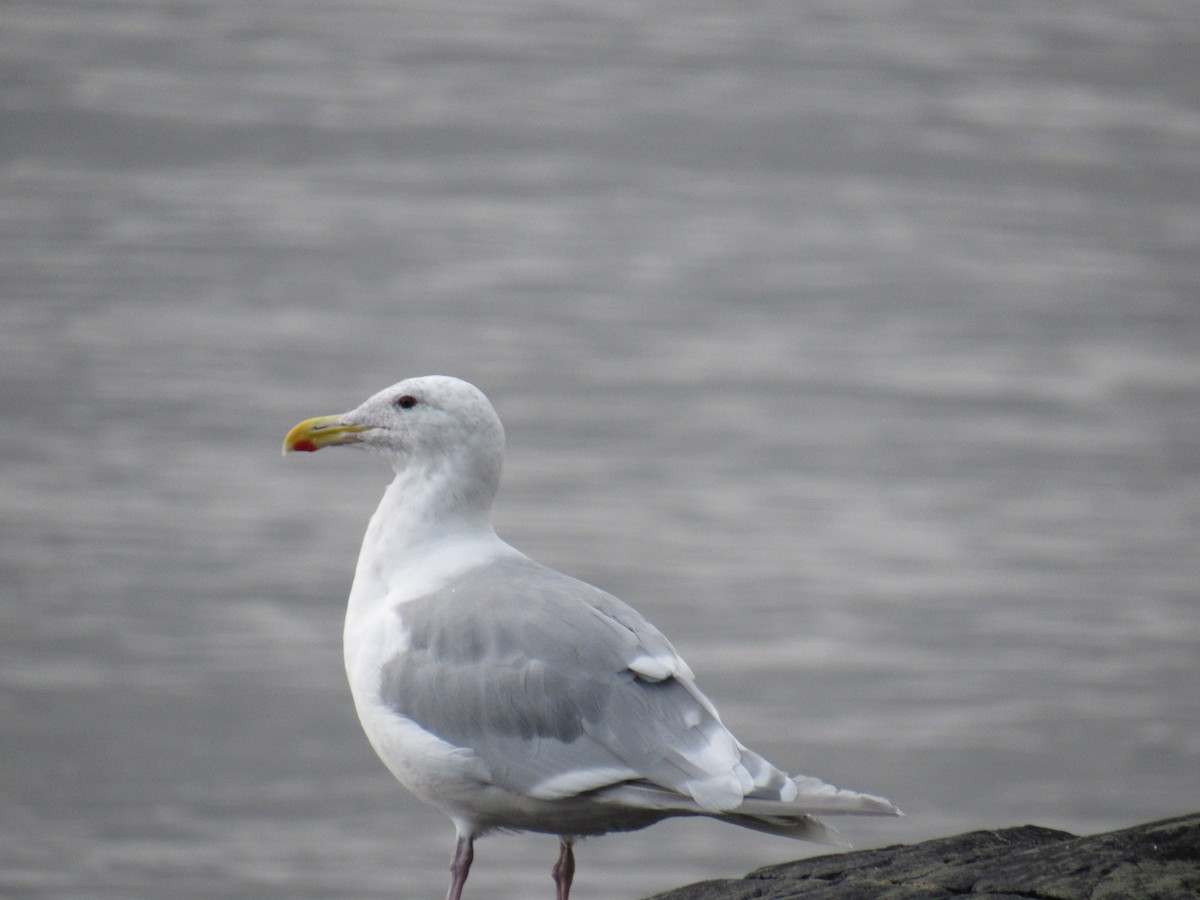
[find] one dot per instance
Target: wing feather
(559, 688)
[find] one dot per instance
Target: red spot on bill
(304, 447)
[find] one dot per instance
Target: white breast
(374, 634)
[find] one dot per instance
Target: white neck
(424, 506)
(424, 532)
(412, 547)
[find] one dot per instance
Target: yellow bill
(323, 431)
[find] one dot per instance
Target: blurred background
(856, 344)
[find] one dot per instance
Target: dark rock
(1156, 861)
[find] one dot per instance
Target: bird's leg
(460, 865)
(564, 870)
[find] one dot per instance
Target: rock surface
(1155, 861)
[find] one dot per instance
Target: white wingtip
(815, 796)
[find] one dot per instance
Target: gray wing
(560, 688)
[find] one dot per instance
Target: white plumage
(513, 696)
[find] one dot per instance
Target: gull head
(434, 424)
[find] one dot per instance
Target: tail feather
(815, 796)
(787, 818)
(810, 794)
(798, 826)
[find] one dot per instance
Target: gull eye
(406, 401)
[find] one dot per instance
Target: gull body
(512, 696)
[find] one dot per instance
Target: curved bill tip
(324, 431)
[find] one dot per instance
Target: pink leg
(460, 865)
(564, 870)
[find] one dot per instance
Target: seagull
(512, 696)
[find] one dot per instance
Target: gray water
(854, 343)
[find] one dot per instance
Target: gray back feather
(530, 669)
